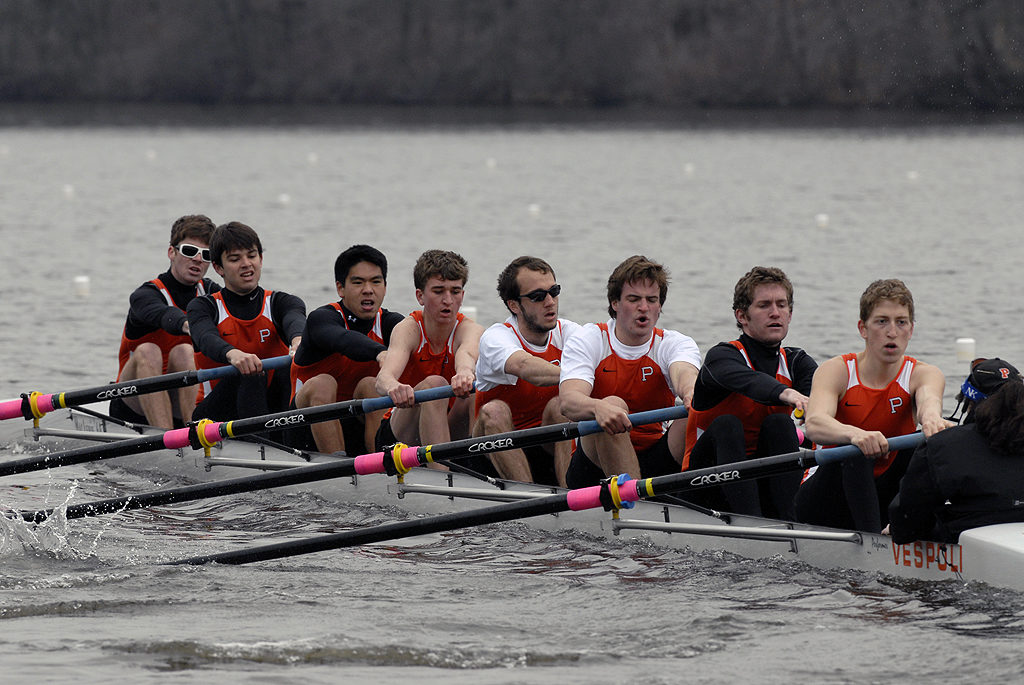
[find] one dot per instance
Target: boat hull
(991, 554)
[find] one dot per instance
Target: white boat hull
(992, 554)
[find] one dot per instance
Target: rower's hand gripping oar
(397, 460)
(206, 433)
(606, 495)
(36, 405)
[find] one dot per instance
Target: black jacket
(955, 482)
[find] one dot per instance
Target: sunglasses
(540, 294)
(190, 251)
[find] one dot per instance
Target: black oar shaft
(459, 449)
(392, 531)
(181, 437)
(142, 386)
(81, 455)
(582, 498)
(35, 405)
(188, 493)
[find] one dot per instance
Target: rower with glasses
(517, 374)
(155, 340)
(241, 325)
(627, 365)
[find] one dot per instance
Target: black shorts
(301, 438)
(655, 461)
(385, 436)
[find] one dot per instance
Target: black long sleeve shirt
(287, 312)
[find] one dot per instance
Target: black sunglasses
(540, 294)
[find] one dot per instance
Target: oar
(36, 405)
(208, 433)
(608, 495)
(377, 462)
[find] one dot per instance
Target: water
(934, 203)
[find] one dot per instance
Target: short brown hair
(636, 269)
(743, 293)
(508, 283)
(892, 289)
(233, 235)
(196, 226)
(448, 266)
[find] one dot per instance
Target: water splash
(52, 537)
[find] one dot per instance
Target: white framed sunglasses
(190, 251)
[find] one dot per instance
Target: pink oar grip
(408, 457)
(176, 438)
(212, 431)
(590, 498)
(10, 409)
(366, 464)
(584, 498)
(45, 403)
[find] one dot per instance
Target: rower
(628, 365)
(862, 399)
(155, 339)
(429, 348)
(518, 371)
(239, 325)
(970, 475)
(743, 397)
(342, 345)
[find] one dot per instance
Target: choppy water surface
(835, 206)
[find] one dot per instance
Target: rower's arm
(288, 313)
(927, 385)
(467, 349)
(578, 405)
(404, 336)
(683, 376)
(533, 370)
(147, 306)
(829, 385)
(202, 319)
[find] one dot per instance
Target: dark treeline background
(942, 54)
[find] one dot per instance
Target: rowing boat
(992, 554)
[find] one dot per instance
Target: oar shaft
(582, 498)
(211, 432)
(751, 469)
(231, 486)
(530, 437)
(345, 467)
(392, 531)
(45, 403)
